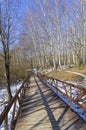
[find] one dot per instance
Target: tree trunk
(7, 68)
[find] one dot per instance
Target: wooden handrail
(76, 86)
(4, 114)
(81, 91)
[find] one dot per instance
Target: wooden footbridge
(42, 106)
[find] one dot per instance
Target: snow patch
(75, 107)
(3, 99)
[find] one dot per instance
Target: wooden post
(70, 97)
(57, 86)
(65, 89)
(6, 122)
(13, 115)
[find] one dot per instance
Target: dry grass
(81, 70)
(62, 75)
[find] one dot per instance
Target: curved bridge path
(43, 110)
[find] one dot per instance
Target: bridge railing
(13, 107)
(75, 93)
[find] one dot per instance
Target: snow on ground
(82, 83)
(75, 107)
(3, 99)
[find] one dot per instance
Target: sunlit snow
(75, 107)
(3, 99)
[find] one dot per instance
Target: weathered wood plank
(42, 109)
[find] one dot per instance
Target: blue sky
(32, 3)
(24, 4)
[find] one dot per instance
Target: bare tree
(57, 36)
(6, 32)
(5, 35)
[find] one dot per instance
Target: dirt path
(84, 76)
(43, 110)
(83, 82)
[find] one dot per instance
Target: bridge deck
(42, 109)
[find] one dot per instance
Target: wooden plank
(79, 88)
(79, 96)
(42, 109)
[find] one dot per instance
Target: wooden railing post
(17, 97)
(6, 122)
(70, 97)
(13, 116)
(75, 93)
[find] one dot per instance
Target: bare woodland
(52, 34)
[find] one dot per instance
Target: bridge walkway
(43, 110)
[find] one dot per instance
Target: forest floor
(75, 75)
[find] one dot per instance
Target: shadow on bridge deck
(42, 109)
